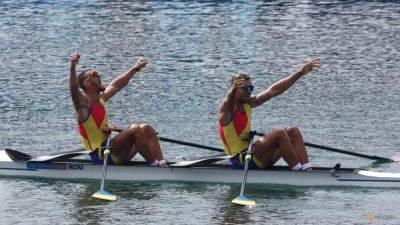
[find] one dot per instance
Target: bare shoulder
(224, 115)
(85, 100)
(82, 112)
(223, 106)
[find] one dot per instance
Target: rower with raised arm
(92, 115)
(234, 124)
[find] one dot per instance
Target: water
(194, 47)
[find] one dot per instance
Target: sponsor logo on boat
(46, 166)
(75, 166)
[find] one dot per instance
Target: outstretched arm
(79, 100)
(282, 85)
(228, 105)
(121, 81)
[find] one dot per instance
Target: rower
(234, 124)
(92, 115)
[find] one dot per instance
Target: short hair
(82, 77)
(240, 76)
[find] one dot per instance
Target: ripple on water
(194, 48)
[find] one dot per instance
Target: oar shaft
(102, 194)
(103, 178)
(246, 165)
(373, 157)
(245, 172)
(107, 153)
(344, 152)
(191, 144)
(182, 142)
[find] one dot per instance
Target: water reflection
(266, 199)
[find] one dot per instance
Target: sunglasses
(248, 88)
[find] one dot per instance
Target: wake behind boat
(18, 164)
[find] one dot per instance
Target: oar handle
(114, 129)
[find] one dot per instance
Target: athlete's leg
(266, 148)
(276, 157)
(130, 141)
(298, 144)
(154, 145)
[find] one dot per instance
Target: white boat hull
(82, 170)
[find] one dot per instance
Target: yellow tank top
(91, 135)
(238, 128)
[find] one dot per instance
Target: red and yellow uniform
(232, 135)
(91, 135)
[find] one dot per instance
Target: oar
(183, 142)
(103, 194)
(191, 144)
(241, 199)
(373, 157)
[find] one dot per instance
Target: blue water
(194, 47)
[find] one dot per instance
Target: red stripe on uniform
(239, 121)
(222, 135)
(82, 131)
(98, 113)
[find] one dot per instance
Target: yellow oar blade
(104, 195)
(242, 200)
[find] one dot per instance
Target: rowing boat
(18, 164)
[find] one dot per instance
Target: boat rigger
(198, 170)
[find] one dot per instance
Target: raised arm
(79, 100)
(121, 81)
(282, 85)
(228, 105)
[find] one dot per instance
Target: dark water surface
(194, 47)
